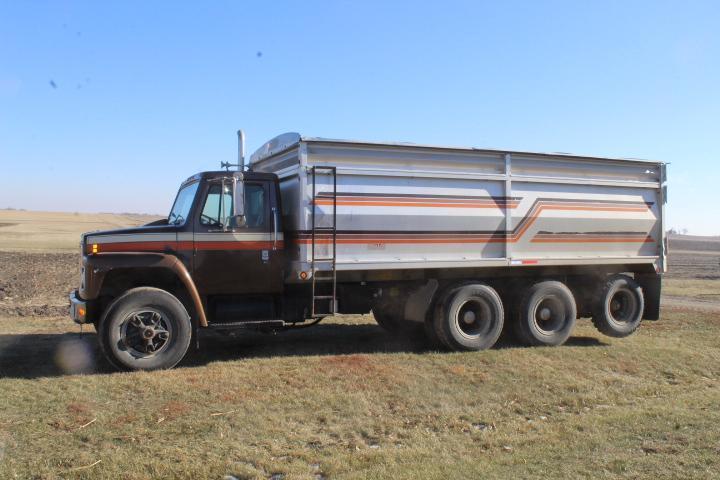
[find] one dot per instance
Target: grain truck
(456, 244)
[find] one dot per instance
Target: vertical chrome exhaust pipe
(241, 150)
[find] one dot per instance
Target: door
(245, 259)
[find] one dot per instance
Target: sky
(108, 106)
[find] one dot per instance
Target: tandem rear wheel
(618, 306)
(145, 329)
(466, 318)
(545, 315)
(470, 317)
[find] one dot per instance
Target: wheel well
(120, 280)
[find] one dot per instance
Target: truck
(454, 244)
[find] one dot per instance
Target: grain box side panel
(393, 212)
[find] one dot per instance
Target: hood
(152, 229)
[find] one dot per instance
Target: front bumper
(78, 308)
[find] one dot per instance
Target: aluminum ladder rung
(331, 275)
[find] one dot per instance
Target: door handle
(275, 222)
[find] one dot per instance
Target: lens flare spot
(74, 356)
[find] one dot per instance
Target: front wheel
(145, 329)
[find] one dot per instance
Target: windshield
(183, 202)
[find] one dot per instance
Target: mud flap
(651, 284)
(419, 301)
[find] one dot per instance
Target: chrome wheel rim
(145, 333)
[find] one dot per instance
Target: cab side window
(218, 206)
(255, 212)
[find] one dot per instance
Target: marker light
(303, 275)
(95, 248)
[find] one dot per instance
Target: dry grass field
(25, 231)
(345, 400)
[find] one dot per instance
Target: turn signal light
(94, 248)
(81, 311)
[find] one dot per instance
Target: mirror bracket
(238, 196)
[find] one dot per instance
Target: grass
(692, 288)
(347, 401)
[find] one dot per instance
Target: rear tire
(145, 329)
(434, 311)
(618, 306)
(469, 318)
(546, 314)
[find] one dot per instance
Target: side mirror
(238, 197)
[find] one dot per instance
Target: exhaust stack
(241, 154)
(241, 150)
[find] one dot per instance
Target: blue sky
(147, 93)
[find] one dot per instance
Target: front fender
(97, 266)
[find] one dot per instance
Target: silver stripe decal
(133, 237)
(230, 236)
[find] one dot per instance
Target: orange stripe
(414, 204)
(414, 200)
(594, 240)
(133, 247)
(371, 241)
(479, 203)
(162, 246)
(463, 241)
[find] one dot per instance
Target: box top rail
(287, 141)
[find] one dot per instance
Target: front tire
(546, 314)
(145, 329)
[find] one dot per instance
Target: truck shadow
(50, 355)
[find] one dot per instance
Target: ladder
(324, 282)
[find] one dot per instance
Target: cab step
(245, 324)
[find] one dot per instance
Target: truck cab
(216, 261)
(232, 240)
